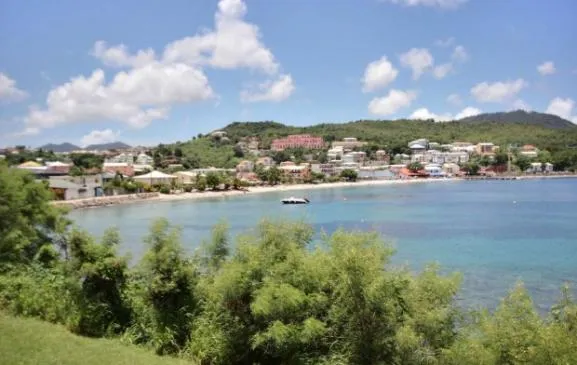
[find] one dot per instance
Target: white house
(144, 159)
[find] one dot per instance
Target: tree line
(275, 295)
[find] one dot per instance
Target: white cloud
(562, 108)
(445, 42)
(417, 59)
(467, 112)
(498, 92)
(232, 44)
(390, 104)
(520, 104)
(442, 70)
(8, 90)
(460, 54)
(136, 97)
(454, 99)
(425, 114)
(378, 74)
(546, 68)
(151, 85)
(445, 4)
(271, 90)
(99, 137)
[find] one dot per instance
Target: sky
(146, 72)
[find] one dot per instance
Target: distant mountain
(60, 148)
(107, 146)
(521, 117)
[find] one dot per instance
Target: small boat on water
(293, 200)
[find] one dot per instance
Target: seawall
(105, 200)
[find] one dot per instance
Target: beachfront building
(348, 143)
(434, 170)
(450, 168)
(486, 149)
(298, 141)
(328, 169)
(538, 167)
(155, 177)
(185, 177)
(296, 172)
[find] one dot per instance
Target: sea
(495, 233)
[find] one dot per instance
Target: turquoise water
(494, 232)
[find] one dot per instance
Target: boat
(293, 200)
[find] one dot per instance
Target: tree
(500, 158)
(471, 168)
(178, 152)
(213, 180)
(200, 183)
(415, 166)
(273, 175)
(522, 162)
(76, 171)
(28, 222)
(349, 175)
(238, 152)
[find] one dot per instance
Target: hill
(31, 342)
(60, 148)
(107, 146)
(521, 117)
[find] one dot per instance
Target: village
(134, 170)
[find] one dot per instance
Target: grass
(26, 341)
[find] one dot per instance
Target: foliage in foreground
(279, 297)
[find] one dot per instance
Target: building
(75, 187)
(381, 155)
(462, 147)
(335, 153)
(144, 159)
(348, 143)
(265, 161)
(58, 167)
(296, 172)
(298, 141)
(127, 158)
(529, 151)
(538, 167)
(327, 169)
(357, 157)
(486, 149)
(245, 166)
(451, 168)
(122, 168)
(419, 145)
(434, 170)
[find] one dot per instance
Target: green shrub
(164, 189)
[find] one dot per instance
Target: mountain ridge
(69, 147)
(520, 117)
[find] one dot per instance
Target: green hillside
(25, 341)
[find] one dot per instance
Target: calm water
(494, 232)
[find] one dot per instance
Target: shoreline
(99, 202)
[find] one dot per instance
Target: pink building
(298, 141)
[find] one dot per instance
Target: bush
(164, 189)
(188, 188)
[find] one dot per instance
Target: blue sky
(146, 72)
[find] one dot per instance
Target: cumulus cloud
(152, 84)
(8, 90)
(443, 70)
(459, 54)
(454, 99)
(379, 74)
(497, 92)
(562, 108)
(419, 60)
(271, 90)
(445, 4)
(392, 102)
(546, 68)
(99, 137)
(520, 104)
(425, 114)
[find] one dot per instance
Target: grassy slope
(26, 341)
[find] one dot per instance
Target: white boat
(293, 200)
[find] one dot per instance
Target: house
(122, 168)
(127, 158)
(297, 172)
(144, 159)
(486, 149)
(298, 141)
(64, 189)
(265, 161)
(406, 173)
(327, 169)
(462, 147)
(529, 151)
(381, 155)
(335, 153)
(434, 170)
(185, 177)
(419, 145)
(245, 166)
(348, 143)
(538, 167)
(451, 168)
